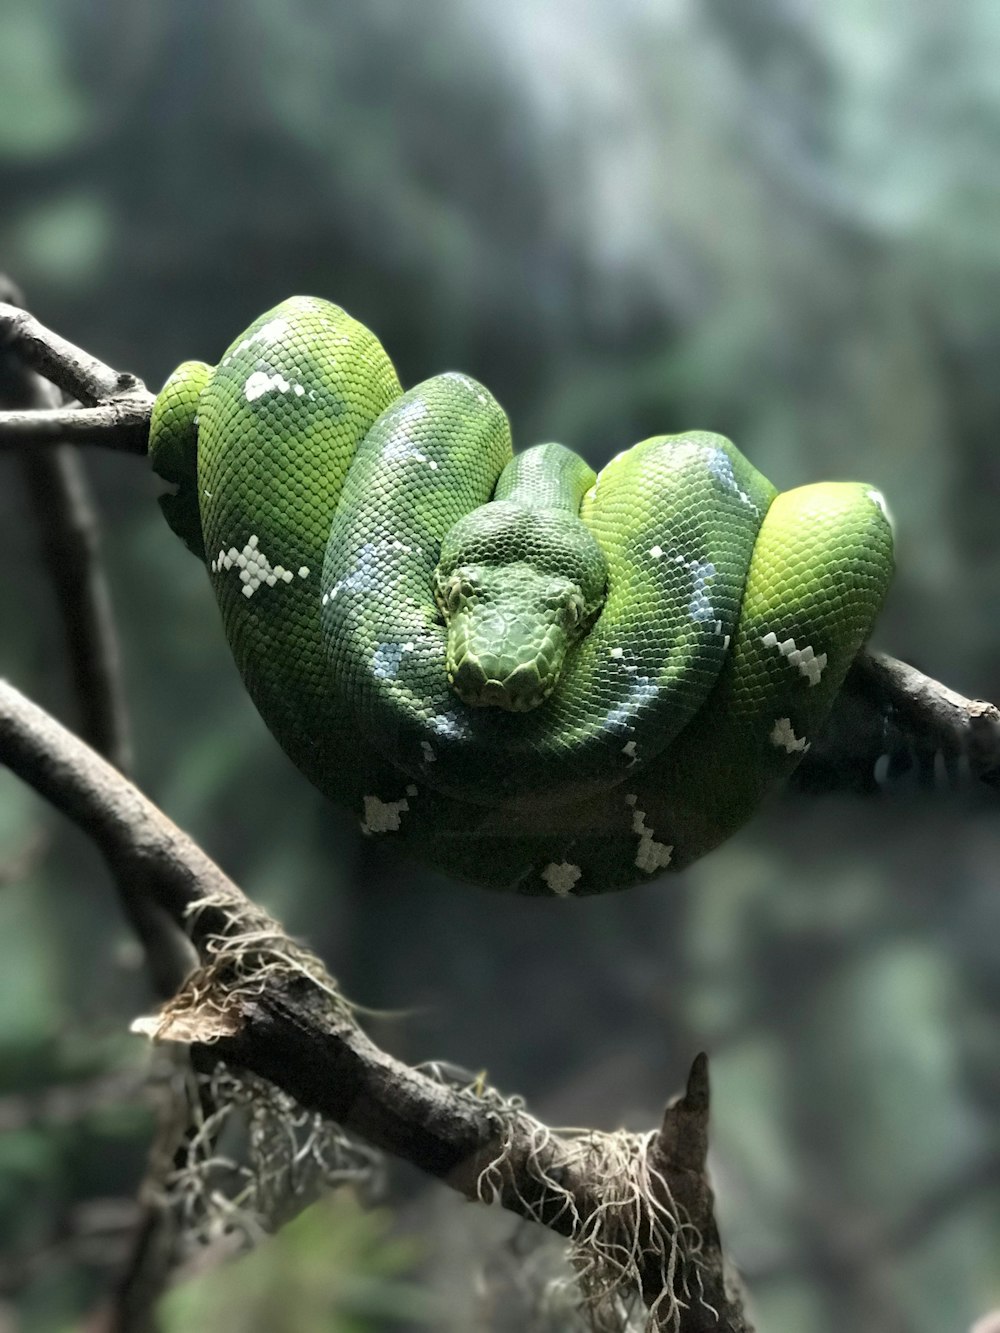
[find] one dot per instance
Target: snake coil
(530, 676)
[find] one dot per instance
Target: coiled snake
(530, 677)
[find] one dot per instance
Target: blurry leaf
(39, 110)
(65, 241)
(335, 1269)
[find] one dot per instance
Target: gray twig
(121, 423)
(116, 405)
(941, 716)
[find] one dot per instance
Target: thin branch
(121, 424)
(967, 727)
(69, 536)
(116, 405)
(285, 1029)
(68, 529)
(75, 371)
(891, 722)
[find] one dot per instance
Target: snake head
(517, 588)
(509, 629)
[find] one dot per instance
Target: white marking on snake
(783, 736)
(384, 816)
(429, 756)
(260, 383)
(447, 724)
(267, 333)
(414, 410)
(254, 567)
(617, 653)
(560, 877)
(303, 572)
(641, 691)
(702, 573)
(700, 608)
(721, 467)
(386, 660)
(650, 855)
(629, 749)
(806, 660)
(363, 578)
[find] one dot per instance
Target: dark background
(776, 221)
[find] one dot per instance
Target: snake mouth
(518, 691)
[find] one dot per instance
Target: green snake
(529, 676)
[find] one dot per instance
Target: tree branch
(75, 371)
(121, 423)
(891, 722)
(637, 1208)
(116, 405)
(924, 707)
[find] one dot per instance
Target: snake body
(528, 676)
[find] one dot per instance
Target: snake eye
(453, 597)
(574, 612)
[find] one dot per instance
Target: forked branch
(637, 1208)
(115, 405)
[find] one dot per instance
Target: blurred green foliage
(335, 1269)
(770, 220)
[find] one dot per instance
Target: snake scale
(529, 676)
